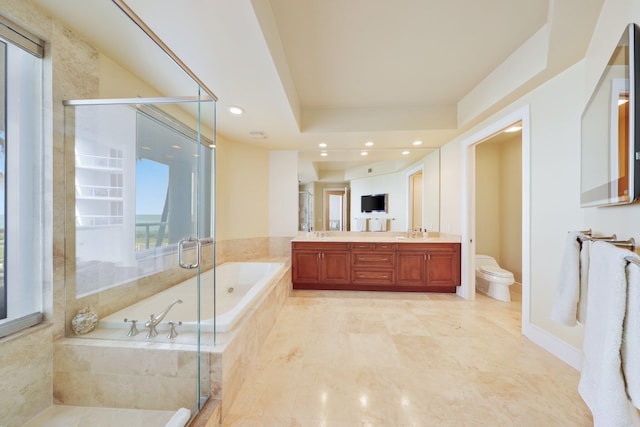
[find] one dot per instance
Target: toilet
(491, 279)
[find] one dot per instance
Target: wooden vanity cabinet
(320, 265)
(376, 266)
(432, 267)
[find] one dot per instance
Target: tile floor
(383, 359)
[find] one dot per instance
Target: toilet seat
(495, 271)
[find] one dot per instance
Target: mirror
(610, 146)
(331, 188)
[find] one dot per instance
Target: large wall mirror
(332, 188)
(610, 152)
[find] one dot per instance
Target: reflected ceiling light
(324, 154)
(405, 153)
(196, 155)
(417, 142)
(514, 128)
(322, 145)
(169, 156)
(368, 143)
(212, 145)
(144, 147)
(234, 109)
(175, 146)
(363, 153)
(622, 101)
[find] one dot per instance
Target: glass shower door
(142, 224)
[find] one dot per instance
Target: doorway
(415, 201)
(335, 209)
(467, 289)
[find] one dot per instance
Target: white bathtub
(238, 285)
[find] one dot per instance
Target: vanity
(376, 262)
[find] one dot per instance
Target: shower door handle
(181, 245)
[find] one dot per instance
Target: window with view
(21, 170)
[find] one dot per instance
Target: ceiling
(344, 72)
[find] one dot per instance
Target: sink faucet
(155, 320)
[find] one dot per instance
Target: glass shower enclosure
(139, 222)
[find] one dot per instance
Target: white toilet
(491, 279)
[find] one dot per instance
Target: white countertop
(374, 237)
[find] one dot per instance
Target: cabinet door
(443, 267)
(410, 268)
(335, 267)
(306, 266)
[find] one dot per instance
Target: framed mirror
(610, 147)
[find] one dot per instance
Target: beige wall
(488, 199)
(242, 190)
(511, 206)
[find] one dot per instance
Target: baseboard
(563, 351)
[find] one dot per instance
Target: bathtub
(238, 285)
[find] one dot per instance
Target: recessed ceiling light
(514, 128)
(404, 153)
(368, 143)
(324, 154)
(322, 145)
(234, 109)
(363, 153)
(417, 142)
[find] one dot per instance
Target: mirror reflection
(607, 132)
(384, 190)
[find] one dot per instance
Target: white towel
(565, 304)
(631, 336)
(361, 224)
(601, 384)
(180, 418)
(375, 224)
(585, 252)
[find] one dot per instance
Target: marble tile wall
(107, 373)
(239, 355)
(25, 369)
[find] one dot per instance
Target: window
(21, 179)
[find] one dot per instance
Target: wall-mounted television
(373, 203)
(610, 143)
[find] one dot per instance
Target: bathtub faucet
(155, 320)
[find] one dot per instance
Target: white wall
(395, 186)
(283, 193)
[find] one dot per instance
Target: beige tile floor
(383, 359)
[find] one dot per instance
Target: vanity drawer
(373, 277)
(372, 246)
(372, 259)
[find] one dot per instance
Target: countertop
(373, 237)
